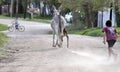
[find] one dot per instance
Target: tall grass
(3, 27)
(36, 18)
(89, 32)
(3, 40)
(3, 37)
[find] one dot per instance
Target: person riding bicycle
(16, 23)
(16, 26)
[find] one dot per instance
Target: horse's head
(55, 11)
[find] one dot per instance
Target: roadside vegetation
(35, 19)
(3, 40)
(89, 32)
(96, 32)
(3, 27)
(3, 37)
(3, 54)
(38, 20)
(4, 16)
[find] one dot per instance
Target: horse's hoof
(54, 45)
(59, 46)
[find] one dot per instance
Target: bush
(118, 30)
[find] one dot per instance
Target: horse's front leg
(54, 45)
(62, 29)
(60, 40)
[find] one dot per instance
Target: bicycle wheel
(11, 28)
(21, 28)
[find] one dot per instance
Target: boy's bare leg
(111, 52)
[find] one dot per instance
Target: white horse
(59, 30)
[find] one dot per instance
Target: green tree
(89, 8)
(4, 2)
(0, 6)
(11, 8)
(25, 8)
(117, 11)
(17, 2)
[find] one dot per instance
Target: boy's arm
(13, 22)
(104, 38)
(116, 33)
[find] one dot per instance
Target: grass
(96, 32)
(4, 16)
(92, 32)
(3, 54)
(3, 37)
(36, 18)
(3, 27)
(118, 30)
(3, 40)
(89, 32)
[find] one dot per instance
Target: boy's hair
(109, 23)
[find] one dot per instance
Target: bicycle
(12, 28)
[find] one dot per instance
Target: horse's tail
(60, 27)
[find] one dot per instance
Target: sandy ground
(32, 51)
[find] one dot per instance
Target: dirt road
(33, 52)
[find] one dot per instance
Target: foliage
(38, 20)
(117, 11)
(3, 54)
(48, 17)
(4, 16)
(3, 27)
(45, 19)
(3, 37)
(4, 1)
(87, 8)
(118, 30)
(90, 31)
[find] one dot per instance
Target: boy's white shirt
(16, 22)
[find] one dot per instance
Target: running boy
(110, 36)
